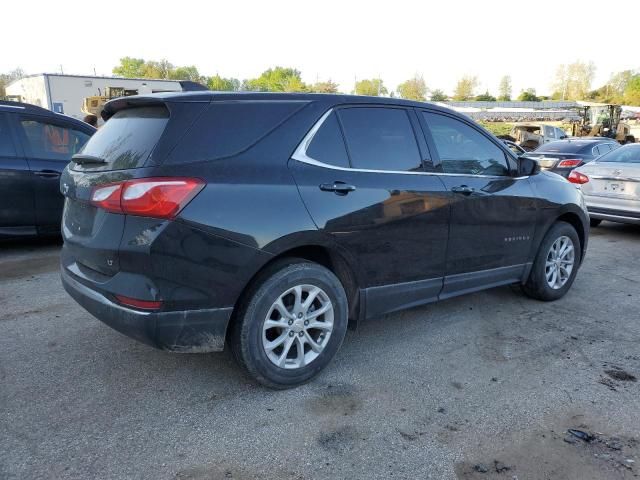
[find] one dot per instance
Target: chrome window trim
(300, 155)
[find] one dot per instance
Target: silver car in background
(611, 185)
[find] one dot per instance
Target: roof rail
(23, 106)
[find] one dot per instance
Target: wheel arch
(576, 222)
(322, 254)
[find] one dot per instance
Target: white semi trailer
(66, 93)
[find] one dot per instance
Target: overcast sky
(341, 40)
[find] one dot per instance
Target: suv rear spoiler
(154, 99)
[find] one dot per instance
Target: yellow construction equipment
(93, 105)
(602, 120)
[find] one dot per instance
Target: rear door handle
(339, 188)
(47, 173)
(463, 189)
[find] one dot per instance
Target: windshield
(625, 154)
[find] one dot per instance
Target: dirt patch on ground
(621, 375)
(579, 453)
(336, 400)
(226, 471)
(25, 267)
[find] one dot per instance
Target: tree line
(571, 82)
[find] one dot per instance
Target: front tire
(291, 325)
(594, 222)
(556, 264)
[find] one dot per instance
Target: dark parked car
(270, 221)
(35, 146)
(563, 156)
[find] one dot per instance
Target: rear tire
(556, 264)
(594, 222)
(275, 338)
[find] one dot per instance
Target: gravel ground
(482, 386)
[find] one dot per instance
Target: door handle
(339, 188)
(47, 173)
(463, 189)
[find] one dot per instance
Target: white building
(65, 93)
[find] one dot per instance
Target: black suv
(271, 221)
(35, 146)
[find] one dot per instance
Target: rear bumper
(188, 331)
(614, 215)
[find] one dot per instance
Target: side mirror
(563, 137)
(528, 166)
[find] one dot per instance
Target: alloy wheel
(560, 262)
(298, 326)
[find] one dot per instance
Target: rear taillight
(569, 163)
(577, 177)
(160, 197)
(136, 303)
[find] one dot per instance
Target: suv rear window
(127, 139)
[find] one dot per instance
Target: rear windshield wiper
(82, 159)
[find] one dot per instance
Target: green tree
(438, 95)
(186, 73)
(278, 79)
(371, 87)
(613, 90)
(221, 84)
(632, 91)
(7, 78)
(573, 81)
(528, 95)
(324, 87)
(413, 89)
(465, 88)
(162, 69)
(504, 90)
(130, 68)
(485, 97)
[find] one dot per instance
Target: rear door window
(127, 139)
(380, 138)
(327, 145)
(7, 149)
(48, 140)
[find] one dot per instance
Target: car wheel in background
(291, 324)
(556, 264)
(594, 222)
